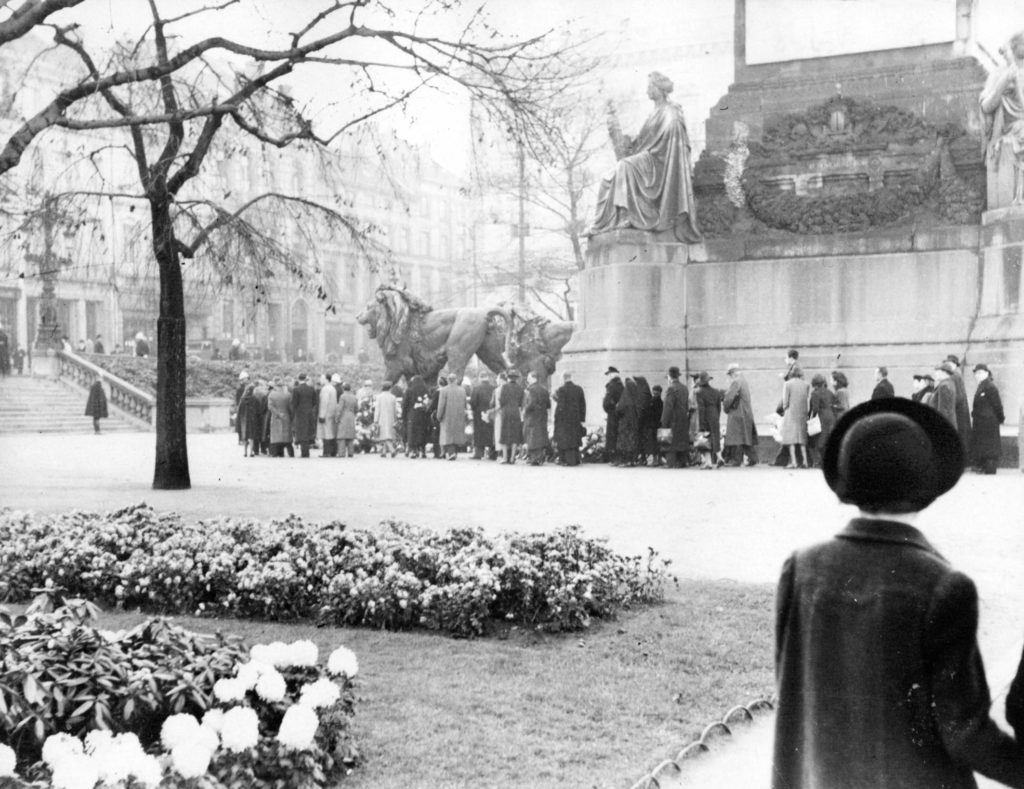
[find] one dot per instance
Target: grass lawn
(524, 709)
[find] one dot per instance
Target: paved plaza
(727, 523)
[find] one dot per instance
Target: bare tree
(173, 98)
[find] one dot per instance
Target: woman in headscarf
(841, 389)
(628, 445)
(417, 418)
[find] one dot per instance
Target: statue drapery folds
(651, 187)
(1002, 101)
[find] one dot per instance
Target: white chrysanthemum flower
(249, 673)
(178, 729)
(343, 661)
(214, 719)
(8, 760)
(276, 654)
(111, 755)
(191, 760)
(240, 729)
(229, 690)
(298, 728)
(75, 771)
(271, 686)
(304, 653)
(207, 737)
(322, 693)
(98, 739)
(147, 770)
(59, 746)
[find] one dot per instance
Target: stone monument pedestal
(632, 312)
(44, 363)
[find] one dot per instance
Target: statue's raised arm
(651, 187)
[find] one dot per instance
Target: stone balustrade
(126, 398)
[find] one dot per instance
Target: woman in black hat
(987, 415)
(880, 679)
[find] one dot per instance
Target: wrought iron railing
(132, 401)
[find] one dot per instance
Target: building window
(1011, 278)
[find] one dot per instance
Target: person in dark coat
(510, 401)
(243, 384)
(648, 442)
(628, 411)
(822, 405)
(5, 353)
(709, 415)
(879, 676)
(944, 398)
(1015, 703)
(258, 427)
(305, 409)
(570, 414)
(986, 446)
(675, 415)
(963, 407)
(434, 437)
(141, 346)
(416, 416)
(740, 431)
(883, 386)
(96, 405)
(536, 405)
(612, 392)
(483, 429)
(654, 419)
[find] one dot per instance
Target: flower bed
(399, 576)
(85, 708)
(209, 378)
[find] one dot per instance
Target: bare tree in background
(172, 98)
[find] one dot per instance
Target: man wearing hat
(709, 419)
(243, 383)
(280, 416)
(305, 406)
(880, 680)
(740, 431)
(963, 407)
(675, 415)
(944, 398)
(613, 389)
(986, 445)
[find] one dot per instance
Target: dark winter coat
(96, 405)
(944, 400)
(305, 407)
(822, 406)
(880, 681)
(480, 404)
(709, 414)
(570, 414)
(510, 402)
(257, 425)
(612, 393)
(417, 420)
(963, 409)
(676, 415)
(883, 389)
(279, 408)
(628, 442)
(988, 416)
(536, 405)
(739, 423)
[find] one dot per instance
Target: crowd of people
(671, 426)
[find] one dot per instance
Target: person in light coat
(740, 431)
(451, 417)
(327, 417)
(796, 395)
(348, 405)
(279, 406)
(385, 417)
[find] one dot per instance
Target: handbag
(664, 435)
(814, 425)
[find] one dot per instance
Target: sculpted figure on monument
(651, 187)
(1002, 101)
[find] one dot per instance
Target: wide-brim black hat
(611, 371)
(893, 455)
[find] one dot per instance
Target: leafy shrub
(400, 576)
(61, 678)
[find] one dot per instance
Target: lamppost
(48, 332)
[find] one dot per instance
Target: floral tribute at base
(397, 576)
(159, 706)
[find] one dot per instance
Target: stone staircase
(45, 405)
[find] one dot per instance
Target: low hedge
(136, 699)
(398, 576)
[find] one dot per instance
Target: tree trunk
(171, 471)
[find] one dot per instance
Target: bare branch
(29, 14)
(147, 120)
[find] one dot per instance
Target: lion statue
(419, 340)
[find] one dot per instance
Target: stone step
(42, 405)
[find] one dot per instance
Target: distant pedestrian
(570, 414)
(536, 406)
(281, 414)
(987, 413)
(654, 419)
(483, 426)
(385, 417)
(305, 405)
(927, 389)
(612, 393)
(235, 351)
(96, 405)
(883, 386)
(259, 419)
(141, 346)
(5, 353)
(19, 360)
(496, 412)
(944, 399)
(796, 394)
(243, 384)
(740, 429)
(841, 388)
(327, 416)
(648, 442)
(510, 402)
(822, 406)
(451, 417)
(918, 384)
(963, 406)
(628, 412)
(348, 406)
(880, 681)
(416, 418)
(97, 344)
(675, 416)
(709, 419)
